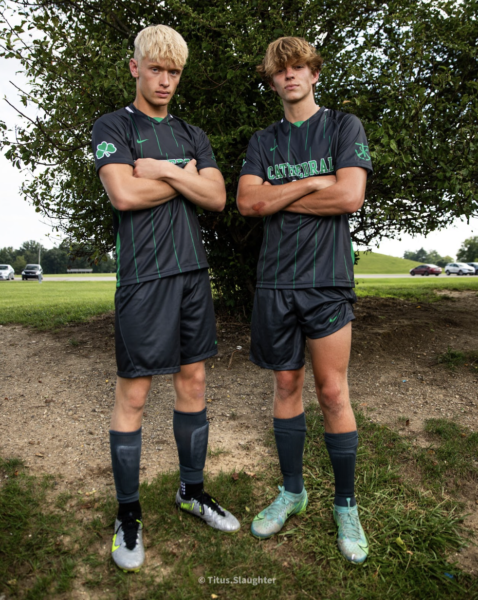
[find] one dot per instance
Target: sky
(20, 222)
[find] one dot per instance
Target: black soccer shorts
(283, 319)
(163, 324)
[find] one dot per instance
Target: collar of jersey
(131, 107)
(285, 124)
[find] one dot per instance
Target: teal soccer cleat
(271, 520)
(351, 541)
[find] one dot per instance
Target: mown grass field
(376, 263)
(52, 304)
(52, 544)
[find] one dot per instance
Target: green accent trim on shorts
(333, 255)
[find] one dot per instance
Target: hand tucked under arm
(205, 187)
(256, 198)
(344, 197)
(127, 192)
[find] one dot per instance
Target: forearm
(131, 193)
(264, 200)
(337, 199)
(209, 194)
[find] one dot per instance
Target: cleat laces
(207, 500)
(350, 526)
(130, 527)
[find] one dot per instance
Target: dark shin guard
(342, 448)
(290, 439)
(191, 432)
(125, 457)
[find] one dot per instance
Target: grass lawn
(373, 262)
(53, 304)
(48, 548)
(419, 290)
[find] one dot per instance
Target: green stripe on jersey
(268, 220)
(134, 249)
(278, 251)
(118, 248)
(296, 248)
(172, 234)
(191, 234)
(154, 240)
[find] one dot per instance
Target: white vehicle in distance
(459, 268)
(7, 272)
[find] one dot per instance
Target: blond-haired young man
(155, 168)
(304, 175)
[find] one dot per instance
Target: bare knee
(191, 383)
(332, 395)
(287, 384)
(132, 395)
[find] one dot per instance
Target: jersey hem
(305, 286)
(143, 278)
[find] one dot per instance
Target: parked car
(7, 272)
(32, 272)
(475, 266)
(426, 270)
(459, 268)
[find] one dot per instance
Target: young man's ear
(133, 67)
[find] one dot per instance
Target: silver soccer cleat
(127, 549)
(207, 509)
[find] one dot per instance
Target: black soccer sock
(125, 457)
(129, 508)
(290, 439)
(342, 448)
(191, 490)
(191, 432)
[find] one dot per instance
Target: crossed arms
(322, 196)
(153, 182)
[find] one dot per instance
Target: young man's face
(294, 82)
(156, 81)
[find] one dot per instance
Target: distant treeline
(468, 252)
(53, 261)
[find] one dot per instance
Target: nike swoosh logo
(334, 319)
(113, 547)
(272, 149)
(141, 141)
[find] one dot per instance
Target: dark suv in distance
(426, 270)
(475, 266)
(32, 272)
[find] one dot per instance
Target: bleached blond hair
(160, 42)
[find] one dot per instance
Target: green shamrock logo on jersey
(105, 149)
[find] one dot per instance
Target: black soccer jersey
(164, 240)
(302, 251)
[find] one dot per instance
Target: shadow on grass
(410, 533)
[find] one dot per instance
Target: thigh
(330, 356)
(147, 327)
(277, 341)
(198, 338)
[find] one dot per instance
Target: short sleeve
(109, 143)
(253, 164)
(352, 146)
(204, 155)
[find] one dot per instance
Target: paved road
(357, 276)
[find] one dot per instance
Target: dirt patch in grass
(57, 392)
